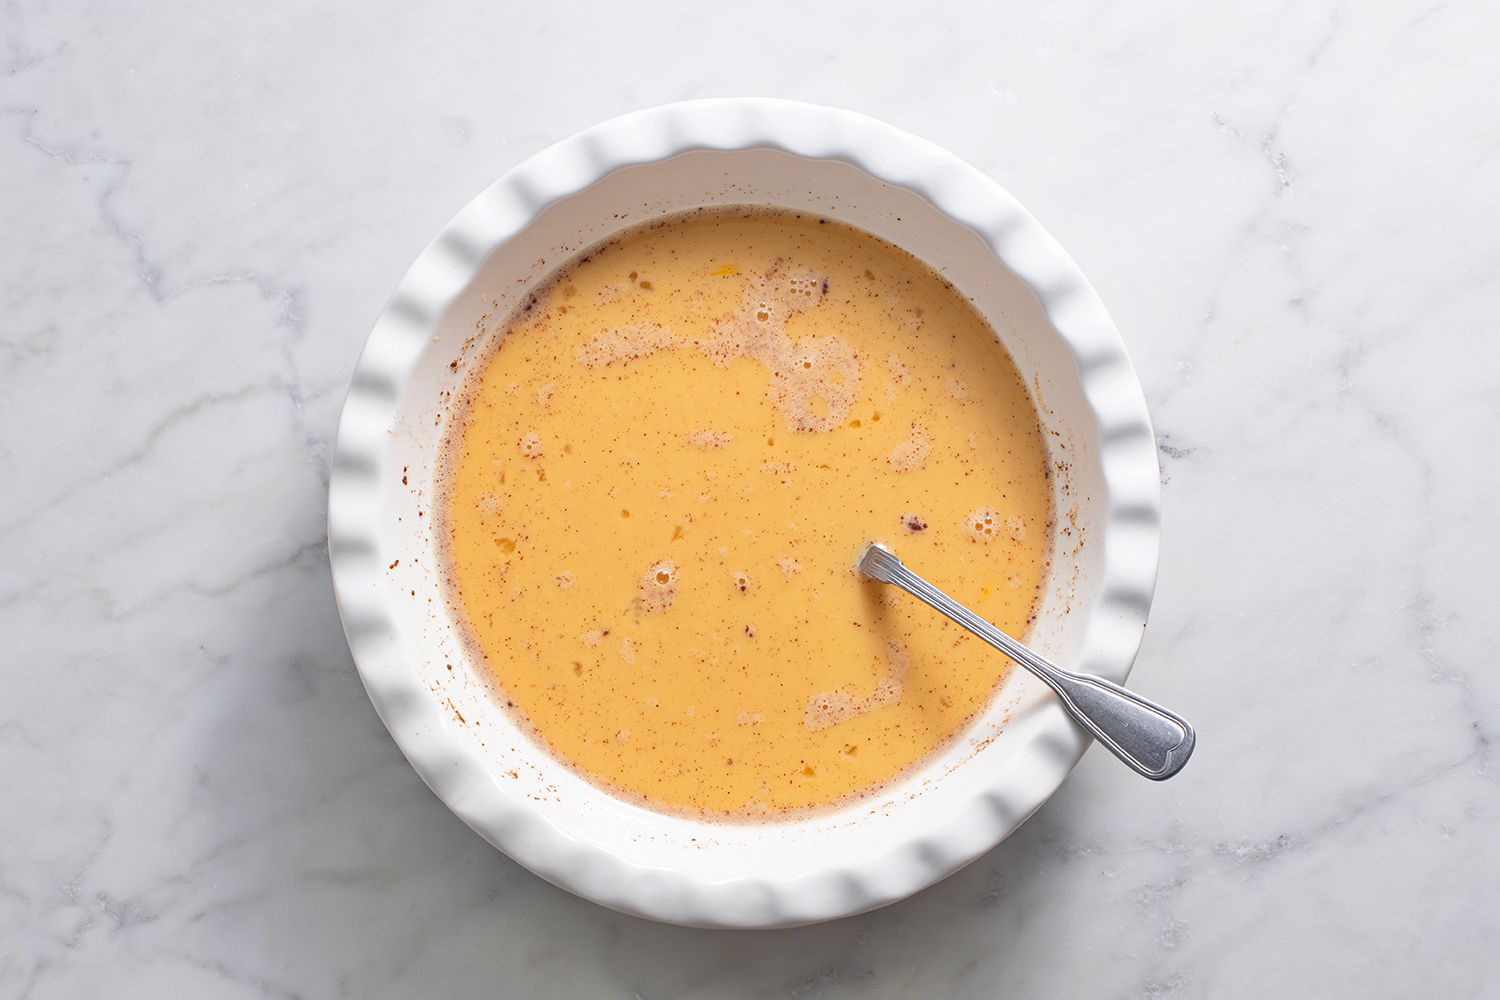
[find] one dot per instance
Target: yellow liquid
(661, 480)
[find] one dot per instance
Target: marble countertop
(1291, 212)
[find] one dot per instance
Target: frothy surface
(813, 382)
(662, 479)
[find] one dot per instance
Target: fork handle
(1153, 740)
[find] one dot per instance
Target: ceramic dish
(459, 291)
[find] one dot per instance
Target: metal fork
(1152, 740)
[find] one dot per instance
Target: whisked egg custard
(658, 483)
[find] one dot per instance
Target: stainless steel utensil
(1154, 741)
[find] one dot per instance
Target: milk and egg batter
(660, 480)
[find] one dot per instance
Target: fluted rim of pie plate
(1130, 506)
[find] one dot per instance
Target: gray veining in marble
(1291, 210)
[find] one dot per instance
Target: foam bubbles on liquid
(833, 707)
(624, 344)
(658, 588)
(813, 382)
(985, 525)
(912, 453)
(712, 440)
(816, 391)
(900, 374)
(531, 444)
(982, 524)
(897, 659)
(829, 708)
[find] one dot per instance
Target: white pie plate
(507, 240)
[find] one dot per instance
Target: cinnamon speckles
(530, 444)
(913, 523)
